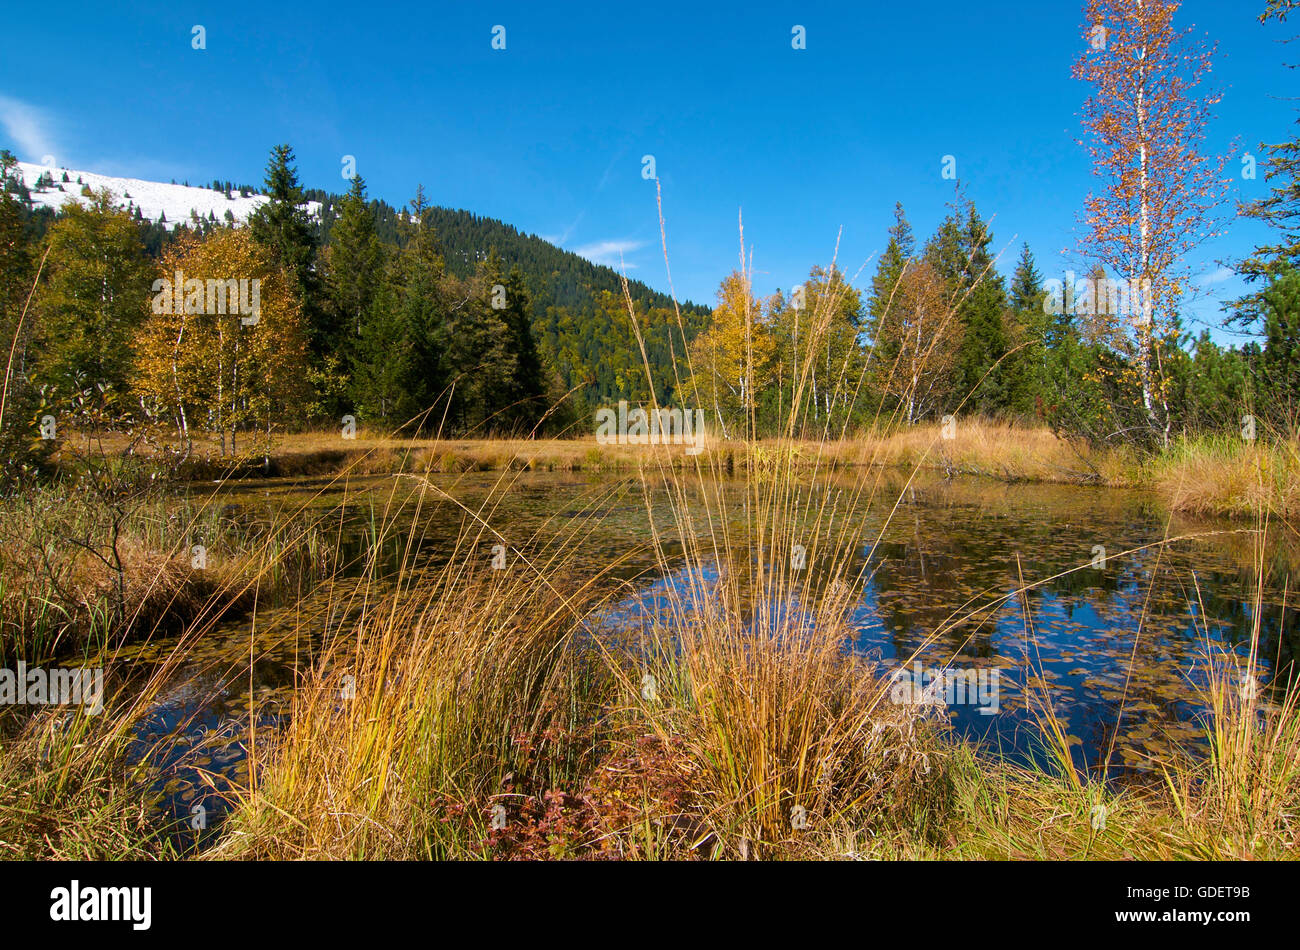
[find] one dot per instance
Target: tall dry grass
(1231, 476)
(407, 731)
(73, 583)
(470, 712)
(501, 716)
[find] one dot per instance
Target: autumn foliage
(229, 374)
(1145, 128)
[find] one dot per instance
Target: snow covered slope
(153, 198)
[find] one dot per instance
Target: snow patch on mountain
(153, 198)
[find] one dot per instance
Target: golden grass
(69, 792)
(1231, 476)
(1203, 476)
(413, 724)
(67, 587)
(486, 714)
(732, 722)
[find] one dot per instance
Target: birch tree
(1144, 127)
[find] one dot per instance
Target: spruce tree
(355, 262)
(283, 226)
(1032, 327)
(960, 252)
(399, 365)
(526, 390)
(477, 355)
(1281, 358)
(897, 253)
(19, 451)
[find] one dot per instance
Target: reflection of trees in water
(949, 544)
(1123, 640)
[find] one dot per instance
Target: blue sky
(549, 133)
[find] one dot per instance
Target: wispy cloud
(1216, 276)
(559, 239)
(29, 129)
(609, 253)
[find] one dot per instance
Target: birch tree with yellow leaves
(730, 356)
(223, 349)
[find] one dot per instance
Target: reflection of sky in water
(1091, 650)
(948, 544)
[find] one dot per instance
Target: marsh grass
(80, 783)
(1228, 475)
(500, 716)
(69, 587)
(468, 712)
(451, 695)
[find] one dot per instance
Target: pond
(1025, 590)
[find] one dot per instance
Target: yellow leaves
(226, 360)
(738, 343)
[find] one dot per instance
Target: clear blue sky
(548, 134)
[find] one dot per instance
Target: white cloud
(609, 253)
(1217, 276)
(28, 128)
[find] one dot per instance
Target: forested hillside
(421, 317)
(578, 315)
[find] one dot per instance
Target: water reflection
(961, 574)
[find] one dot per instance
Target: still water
(1066, 592)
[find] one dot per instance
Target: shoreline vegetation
(470, 713)
(1204, 475)
(69, 587)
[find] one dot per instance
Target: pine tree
(897, 253)
(355, 262)
(381, 363)
(284, 228)
(525, 393)
(398, 370)
(476, 354)
(959, 251)
(1281, 359)
(1026, 284)
(1033, 330)
(20, 451)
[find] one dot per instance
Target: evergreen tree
(381, 364)
(283, 227)
(898, 252)
(399, 367)
(1281, 357)
(959, 251)
(355, 260)
(20, 450)
(1026, 284)
(1031, 324)
(1279, 209)
(525, 393)
(476, 355)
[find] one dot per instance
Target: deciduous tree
(1145, 122)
